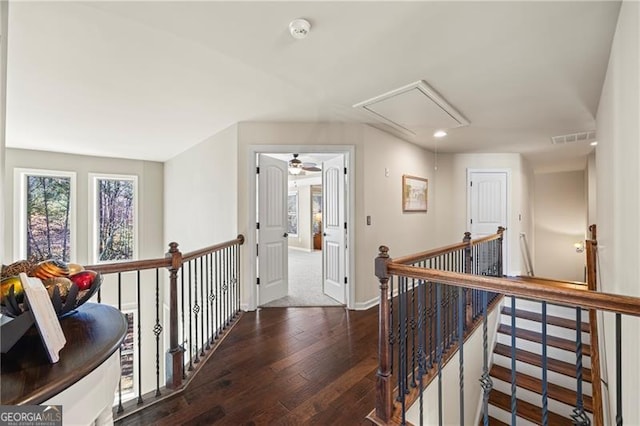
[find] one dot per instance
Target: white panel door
(272, 235)
(333, 222)
(488, 198)
(488, 206)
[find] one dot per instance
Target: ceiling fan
(296, 166)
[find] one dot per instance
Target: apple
(84, 279)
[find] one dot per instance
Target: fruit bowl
(67, 292)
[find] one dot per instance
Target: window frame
(94, 255)
(297, 213)
(20, 208)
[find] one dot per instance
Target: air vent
(413, 108)
(574, 137)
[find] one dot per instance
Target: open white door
(334, 221)
(273, 225)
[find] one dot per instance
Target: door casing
(250, 302)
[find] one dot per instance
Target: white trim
(297, 194)
(253, 150)
(363, 306)
(93, 214)
(20, 209)
(505, 261)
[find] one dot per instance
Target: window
(114, 233)
(44, 221)
(292, 210)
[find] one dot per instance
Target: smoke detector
(299, 28)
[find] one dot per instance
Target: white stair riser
(534, 398)
(553, 377)
(552, 330)
(505, 416)
(552, 309)
(536, 348)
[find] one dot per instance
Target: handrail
(589, 299)
(163, 262)
(204, 251)
(428, 254)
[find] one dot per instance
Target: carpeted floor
(305, 282)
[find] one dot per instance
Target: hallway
(282, 366)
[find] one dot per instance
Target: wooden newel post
(174, 359)
(384, 388)
(501, 230)
(468, 309)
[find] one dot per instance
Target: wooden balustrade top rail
(163, 262)
(627, 305)
(429, 254)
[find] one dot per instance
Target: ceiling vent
(574, 137)
(413, 108)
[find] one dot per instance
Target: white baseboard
(244, 307)
(363, 306)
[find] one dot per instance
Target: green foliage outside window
(115, 219)
(48, 211)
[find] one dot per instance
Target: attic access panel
(413, 107)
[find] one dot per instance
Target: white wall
(375, 194)
(201, 193)
(561, 221)
(451, 178)
(618, 202)
(591, 189)
(4, 21)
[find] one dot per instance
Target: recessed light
(594, 143)
(440, 134)
(299, 28)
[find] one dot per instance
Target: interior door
(273, 225)
(488, 205)
(333, 222)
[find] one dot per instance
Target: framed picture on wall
(414, 194)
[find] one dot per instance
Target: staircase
(561, 361)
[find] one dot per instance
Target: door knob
(324, 234)
(285, 235)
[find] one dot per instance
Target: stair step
(552, 320)
(533, 384)
(525, 410)
(556, 342)
(493, 422)
(534, 359)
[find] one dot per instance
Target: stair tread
(525, 410)
(534, 384)
(555, 365)
(493, 422)
(554, 341)
(551, 320)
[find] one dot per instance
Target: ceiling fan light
(295, 170)
(440, 134)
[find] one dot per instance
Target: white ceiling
(147, 80)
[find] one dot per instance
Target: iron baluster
(439, 345)
(184, 373)
(413, 334)
(461, 300)
(485, 381)
(202, 301)
(196, 310)
(120, 407)
(422, 360)
(157, 329)
(618, 370)
(206, 300)
(140, 401)
(190, 321)
(545, 404)
(579, 416)
(514, 399)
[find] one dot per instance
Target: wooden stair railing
(416, 275)
(596, 385)
(203, 302)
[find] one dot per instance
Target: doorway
(305, 262)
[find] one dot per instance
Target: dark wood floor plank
(282, 366)
(525, 410)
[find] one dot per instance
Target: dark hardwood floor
(282, 366)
